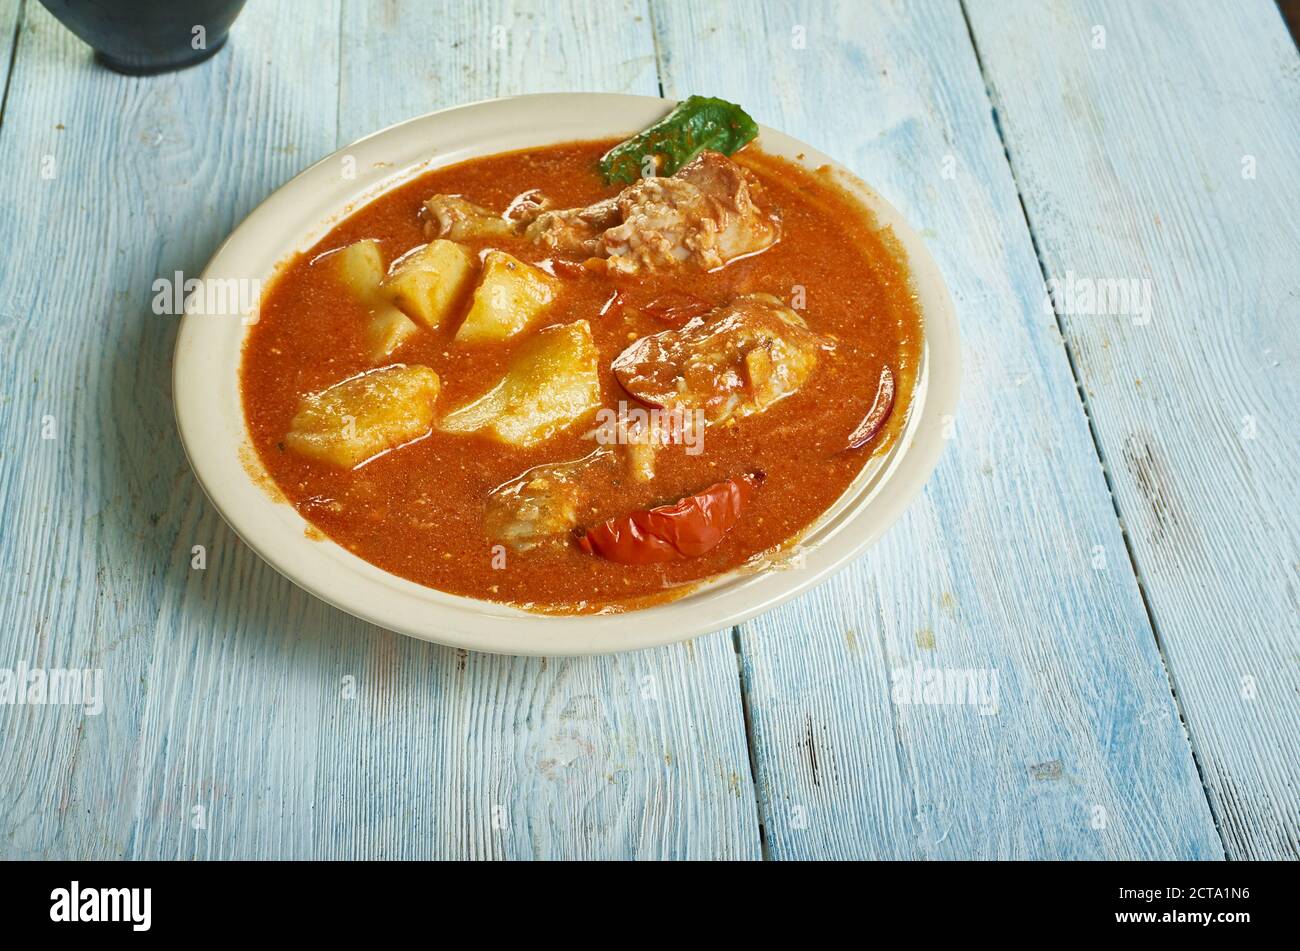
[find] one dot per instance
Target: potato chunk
(552, 383)
(355, 420)
(388, 329)
(508, 297)
(360, 266)
(426, 282)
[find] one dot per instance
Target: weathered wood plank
(118, 181)
(1165, 154)
(229, 690)
(993, 568)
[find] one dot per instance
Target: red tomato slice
(685, 529)
(878, 415)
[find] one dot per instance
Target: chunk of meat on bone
(525, 207)
(455, 218)
(704, 215)
(734, 362)
(546, 502)
(575, 230)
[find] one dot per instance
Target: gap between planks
(990, 96)
(751, 747)
(13, 57)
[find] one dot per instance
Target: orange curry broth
(417, 511)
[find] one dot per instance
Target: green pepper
(699, 123)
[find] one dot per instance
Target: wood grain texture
(993, 568)
(1155, 152)
(10, 16)
(226, 688)
(147, 175)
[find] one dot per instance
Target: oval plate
(210, 415)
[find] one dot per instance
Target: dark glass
(148, 36)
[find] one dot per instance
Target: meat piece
(575, 230)
(663, 221)
(525, 207)
(450, 216)
(546, 501)
(733, 362)
(742, 229)
(705, 215)
(640, 452)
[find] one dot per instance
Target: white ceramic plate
(211, 420)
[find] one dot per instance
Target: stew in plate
(542, 378)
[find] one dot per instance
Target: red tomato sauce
(418, 510)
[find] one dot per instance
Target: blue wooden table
(1111, 541)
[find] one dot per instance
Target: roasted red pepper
(878, 415)
(684, 529)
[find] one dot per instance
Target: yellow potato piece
(426, 282)
(552, 383)
(388, 329)
(361, 267)
(508, 297)
(357, 419)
